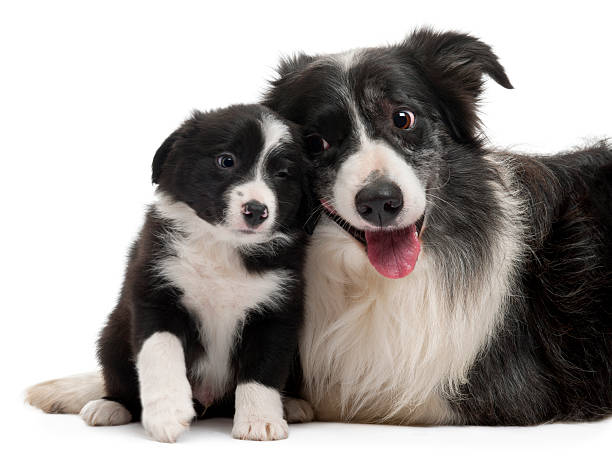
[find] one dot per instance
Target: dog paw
(165, 422)
(101, 412)
(297, 410)
(260, 430)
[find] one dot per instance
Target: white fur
(347, 59)
(217, 289)
(259, 413)
(375, 157)
(101, 412)
(67, 395)
(255, 187)
(203, 261)
(390, 351)
(275, 133)
(241, 194)
(165, 392)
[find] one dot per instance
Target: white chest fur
(218, 291)
(381, 350)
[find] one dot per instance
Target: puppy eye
(282, 174)
(403, 119)
(225, 160)
(316, 144)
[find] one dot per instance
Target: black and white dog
(447, 283)
(212, 300)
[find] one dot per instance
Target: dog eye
(316, 144)
(403, 119)
(225, 160)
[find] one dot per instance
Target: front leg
(165, 392)
(259, 413)
(269, 341)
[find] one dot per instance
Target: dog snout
(254, 213)
(379, 202)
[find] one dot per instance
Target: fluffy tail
(67, 395)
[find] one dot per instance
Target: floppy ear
(455, 64)
(160, 157)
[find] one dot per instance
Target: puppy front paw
(260, 430)
(165, 420)
(259, 413)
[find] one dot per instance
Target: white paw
(260, 430)
(101, 412)
(297, 410)
(166, 420)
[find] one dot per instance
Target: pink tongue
(393, 254)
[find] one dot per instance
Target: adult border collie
(212, 300)
(447, 283)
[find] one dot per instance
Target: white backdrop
(88, 91)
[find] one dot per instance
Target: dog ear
(455, 64)
(292, 64)
(160, 157)
(282, 94)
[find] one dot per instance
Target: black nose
(379, 202)
(254, 213)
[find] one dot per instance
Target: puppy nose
(254, 213)
(379, 202)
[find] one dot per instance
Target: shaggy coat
(447, 283)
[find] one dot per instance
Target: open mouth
(393, 253)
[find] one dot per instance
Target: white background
(89, 91)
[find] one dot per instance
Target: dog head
(241, 170)
(381, 125)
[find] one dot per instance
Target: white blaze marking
(376, 157)
(275, 133)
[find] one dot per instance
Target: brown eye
(225, 160)
(403, 119)
(316, 144)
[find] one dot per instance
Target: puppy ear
(455, 64)
(160, 157)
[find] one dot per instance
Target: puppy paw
(259, 413)
(260, 430)
(166, 420)
(101, 412)
(297, 410)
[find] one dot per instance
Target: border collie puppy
(447, 283)
(212, 299)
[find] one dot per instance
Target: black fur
(551, 358)
(185, 169)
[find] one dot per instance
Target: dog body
(446, 283)
(212, 299)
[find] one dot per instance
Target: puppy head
(240, 170)
(382, 125)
